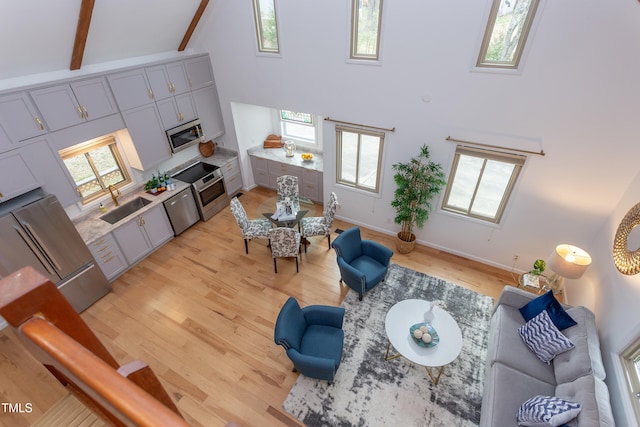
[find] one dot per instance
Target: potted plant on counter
(418, 181)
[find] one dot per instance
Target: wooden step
(71, 413)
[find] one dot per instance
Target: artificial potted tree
(418, 181)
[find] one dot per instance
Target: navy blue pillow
(548, 302)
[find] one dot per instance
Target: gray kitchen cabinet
(167, 80)
(71, 104)
(208, 110)
(49, 170)
(199, 72)
(311, 185)
(15, 176)
(109, 257)
(260, 172)
(232, 176)
(144, 233)
(131, 88)
(150, 145)
(19, 118)
(5, 142)
(177, 110)
(277, 169)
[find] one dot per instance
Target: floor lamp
(566, 262)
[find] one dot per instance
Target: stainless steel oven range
(207, 186)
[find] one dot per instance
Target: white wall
(616, 298)
(575, 98)
(564, 101)
(251, 125)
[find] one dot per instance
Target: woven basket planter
(405, 247)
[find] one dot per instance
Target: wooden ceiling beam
(82, 30)
(192, 26)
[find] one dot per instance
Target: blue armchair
(362, 263)
(312, 337)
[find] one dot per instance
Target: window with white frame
(94, 166)
(359, 158)
(506, 33)
(631, 365)
(298, 126)
(481, 182)
(264, 13)
(366, 21)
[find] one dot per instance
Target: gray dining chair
(320, 225)
(250, 228)
(285, 243)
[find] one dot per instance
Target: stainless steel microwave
(186, 135)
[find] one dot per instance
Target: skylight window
(366, 18)
(266, 25)
(506, 33)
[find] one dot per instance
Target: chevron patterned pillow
(547, 411)
(544, 338)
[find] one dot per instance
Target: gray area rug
(369, 391)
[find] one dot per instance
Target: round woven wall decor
(627, 262)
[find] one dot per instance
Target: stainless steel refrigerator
(35, 230)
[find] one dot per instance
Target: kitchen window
(631, 364)
(94, 166)
(506, 33)
(298, 126)
(481, 182)
(264, 13)
(359, 158)
(366, 22)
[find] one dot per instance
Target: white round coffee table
(407, 313)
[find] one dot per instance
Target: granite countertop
(279, 155)
(91, 227)
(220, 157)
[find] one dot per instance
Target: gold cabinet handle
(39, 122)
(107, 255)
(86, 113)
(190, 84)
(78, 191)
(1, 195)
(109, 259)
(178, 116)
(151, 93)
(80, 112)
(172, 88)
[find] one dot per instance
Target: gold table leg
(435, 379)
(387, 357)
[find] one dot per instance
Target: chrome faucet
(115, 193)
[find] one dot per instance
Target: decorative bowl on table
(307, 157)
(424, 335)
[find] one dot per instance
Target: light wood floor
(201, 313)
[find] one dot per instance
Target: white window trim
(362, 61)
(377, 193)
(275, 119)
(133, 179)
(525, 50)
(631, 380)
(505, 206)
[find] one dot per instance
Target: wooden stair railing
(129, 395)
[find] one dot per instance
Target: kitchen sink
(125, 210)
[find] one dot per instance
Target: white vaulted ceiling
(38, 36)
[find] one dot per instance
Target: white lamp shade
(569, 261)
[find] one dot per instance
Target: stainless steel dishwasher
(182, 210)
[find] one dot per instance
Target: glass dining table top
(286, 223)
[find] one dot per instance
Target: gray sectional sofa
(514, 373)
